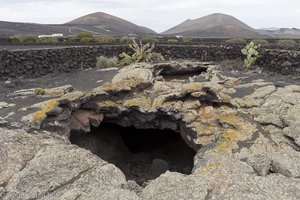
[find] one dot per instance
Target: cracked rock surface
(244, 127)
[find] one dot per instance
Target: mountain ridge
(226, 23)
(98, 23)
(110, 23)
(216, 25)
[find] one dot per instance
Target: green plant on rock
(40, 91)
(142, 53)
(251, 53)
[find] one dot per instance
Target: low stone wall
(37, 62)
(282, 61)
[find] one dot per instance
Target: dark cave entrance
(141, 154)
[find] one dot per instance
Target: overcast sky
(158, 15)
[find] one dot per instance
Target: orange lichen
(49, 106)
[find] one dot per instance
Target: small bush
(260, 41)
(47, 40)
(187, 40)
(236, 41)
(149, 40)
(86, 40)
(286, 42)
(157, 57)
(125, 59)
(172, 41)
(104, 62)
(40, 91)
(85, 37)
(126, 40)
(105, 40)
(29, 38)
(72, 39)
(24, 38)
(15, 39)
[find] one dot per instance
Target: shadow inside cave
(141, 154)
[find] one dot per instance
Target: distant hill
(281, 32)
(104, 23)
(96, 23)
(214, 25)
(211, 26)
(17, 28)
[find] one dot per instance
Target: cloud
(156, 14)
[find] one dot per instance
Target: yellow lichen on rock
(228, 138)
(192, 87)
(190, 116)
(230, 135)
(231, 119)
(124, 85)
(49, 106)
(238, 130)
(142, 103)
(207, 114)
(203, 128)
(208, 168)
(107, 103)
(223, 126)
(158, 102)
(206, 132)
(191, 104)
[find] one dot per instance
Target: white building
(52, 35)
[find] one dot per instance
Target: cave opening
(141, 154)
